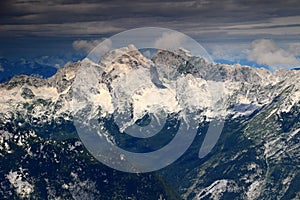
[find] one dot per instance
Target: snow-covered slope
(172, 82)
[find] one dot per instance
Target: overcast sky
(228, 29)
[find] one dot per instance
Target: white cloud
(230, 52)
(101, 49)
(295, 48)
(88, 46)
(170, 41)
(266, 52)
(95, 48)
(85, 45)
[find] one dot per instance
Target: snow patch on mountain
(254, 190)
(217, 188)
(18, 180)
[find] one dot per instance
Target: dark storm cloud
(206, 17)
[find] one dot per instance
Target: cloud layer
(266, 52)
(212, 19)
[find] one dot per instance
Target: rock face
(257, 156)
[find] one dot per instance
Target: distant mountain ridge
(11, 69)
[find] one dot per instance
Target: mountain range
(255, 157)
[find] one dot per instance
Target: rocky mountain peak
(125, 77)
